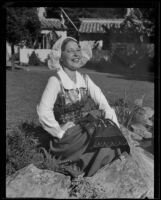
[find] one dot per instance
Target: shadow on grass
(118, 68)
(37, 132)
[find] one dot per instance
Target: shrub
(20, 151)
(124, 58)
(23, 148)
(45, 63)
(17, 56)
(135, 117)
(34, 60)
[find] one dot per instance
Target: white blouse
(49, 96)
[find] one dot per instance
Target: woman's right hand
(68, 125)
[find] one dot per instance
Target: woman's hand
(68, 125)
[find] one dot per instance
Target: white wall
(42, 53)
(25, 53)
(45, 31)
(8, 50)
(62, 33)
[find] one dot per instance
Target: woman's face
(71, 56)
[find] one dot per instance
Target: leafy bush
(34, 60)
(22, 149)
(135, 117)
(124, 58)
(17, 56)
(46, 61)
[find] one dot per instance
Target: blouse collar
(68, 83)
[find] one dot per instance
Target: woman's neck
(71, 74)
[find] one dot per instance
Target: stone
(33, 182)
(120, 179)
(130, 176)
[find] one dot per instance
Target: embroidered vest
(68, 107)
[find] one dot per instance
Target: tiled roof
(50, 23)
(94, 25)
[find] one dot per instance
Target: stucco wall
(25, 53)
(42, 53)
(8, 50)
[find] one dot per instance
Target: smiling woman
(69, 108)
(71, 56)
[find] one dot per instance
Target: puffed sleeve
(99, 98)
(45, 108)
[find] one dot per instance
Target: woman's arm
(99, 98)
(45, 108)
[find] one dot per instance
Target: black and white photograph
(80, 102)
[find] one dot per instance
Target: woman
(67, 90)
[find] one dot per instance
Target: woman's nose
(77, 54)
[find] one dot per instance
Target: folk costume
(83, 103)
(63, 101)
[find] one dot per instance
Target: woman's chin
(75, 67)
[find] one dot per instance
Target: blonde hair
(65, 42)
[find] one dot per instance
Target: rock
(33, 182)
(141, 130)
(121, 179)
(131, 176)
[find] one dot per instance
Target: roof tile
(91, 25)
(52, 24)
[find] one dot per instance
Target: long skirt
(74, 147)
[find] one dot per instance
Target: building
(95, 29)
(51, 29)
(112, 30)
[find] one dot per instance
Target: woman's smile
(75, 60)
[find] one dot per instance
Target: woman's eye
(70, 51)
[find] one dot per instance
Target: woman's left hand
(68, 125)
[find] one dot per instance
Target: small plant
(22, 149)
(34, 60)
(135, 117)
(16, 56)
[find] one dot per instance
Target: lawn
(24, 90)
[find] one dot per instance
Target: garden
(123, 69)
(27, 142)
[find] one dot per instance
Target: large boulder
(33, 182)
(121, 179)
(131, 176)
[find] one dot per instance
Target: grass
(24, 90)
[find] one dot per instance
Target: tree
(22, 25)
(76, 13)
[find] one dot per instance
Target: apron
(71, 150)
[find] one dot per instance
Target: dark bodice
(65, 109)
(72, 111)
